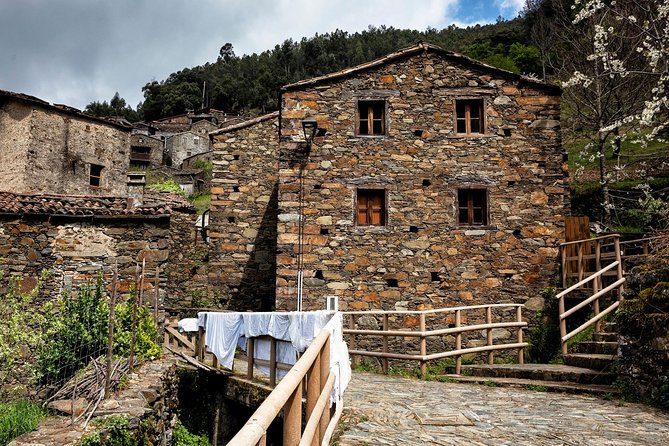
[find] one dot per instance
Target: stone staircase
(589, 369)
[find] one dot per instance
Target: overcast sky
(76, 51)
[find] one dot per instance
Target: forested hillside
(250, 83)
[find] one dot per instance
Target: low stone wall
(643, 326)
(149, 403)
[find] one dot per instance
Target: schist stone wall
(74, 249)
(54, 150)
(423, 256)
(243, 218)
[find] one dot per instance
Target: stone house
(431, 181)
(57, 149)
(145, 151)
(74, 238)
(183, 145)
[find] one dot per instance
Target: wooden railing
(595, 282)
(314, 368)
(461, 314)
(578, 260)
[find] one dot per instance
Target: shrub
(544, 338)
(183, 437)
(77, 333)
(21, 336)
(146, 333)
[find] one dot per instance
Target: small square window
(196, 140)
(371, 207)
(96, 175)
(472, 207)
(371, 117)
(469, 117)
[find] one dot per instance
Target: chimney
(136, 183)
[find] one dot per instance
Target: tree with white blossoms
(620, 77)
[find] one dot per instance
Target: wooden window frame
(92, 178)
(468, 102)
(366, 193)
(367, 114)
(470, 206)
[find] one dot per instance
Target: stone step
(611, 327)
(605, 337)
(590, 361)
(537, 385)
(539, 372)
(596, 347)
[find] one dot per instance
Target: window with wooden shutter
(469, 117)
(371, 117)
(472, 207)
(371, 207)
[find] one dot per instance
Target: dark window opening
(507, 132)
(472, 207)
(325, 231)
(434, 276)
(371, 117)
(469, 116)
(96, 175)
(426, 182)
(235, 157)
(393, 283)
(371, 207)
(235, 188)
(418, 132)
(317, 186)
(319, 275)
(140, 156)
(231, 219)
(413, 229)
(511, 183)
(321, 131)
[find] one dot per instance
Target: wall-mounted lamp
(310, 127)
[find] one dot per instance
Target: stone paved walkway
(383, 410)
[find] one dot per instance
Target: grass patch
(17, 418)
(201, 201)
(537, 388)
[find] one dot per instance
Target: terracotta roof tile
(80, 206)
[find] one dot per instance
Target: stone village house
(57, 149)
(432, 181)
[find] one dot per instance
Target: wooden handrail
(423, 334)
(598, 291)
(287, 395)
(432, 311)
(586, 280)
(603, 237)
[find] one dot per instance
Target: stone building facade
(75, 238)
(145, 151)
(183, 145)
(243, 213)
(432, 181)
(57, 149)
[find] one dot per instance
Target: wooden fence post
(488, 335)
(458, 342)
(325, 372)
(313, 392)
(384, 361)
(110, 333)
(355, 359)
(423, 347)
(250, 353)
(272, 362)
(519, 335)
(616, 243)
(292, 417)
(597, 283)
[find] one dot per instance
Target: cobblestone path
(383, 410)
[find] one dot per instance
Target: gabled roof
(247, 123)
(86, 206)
(421, 47)
(65, 109)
